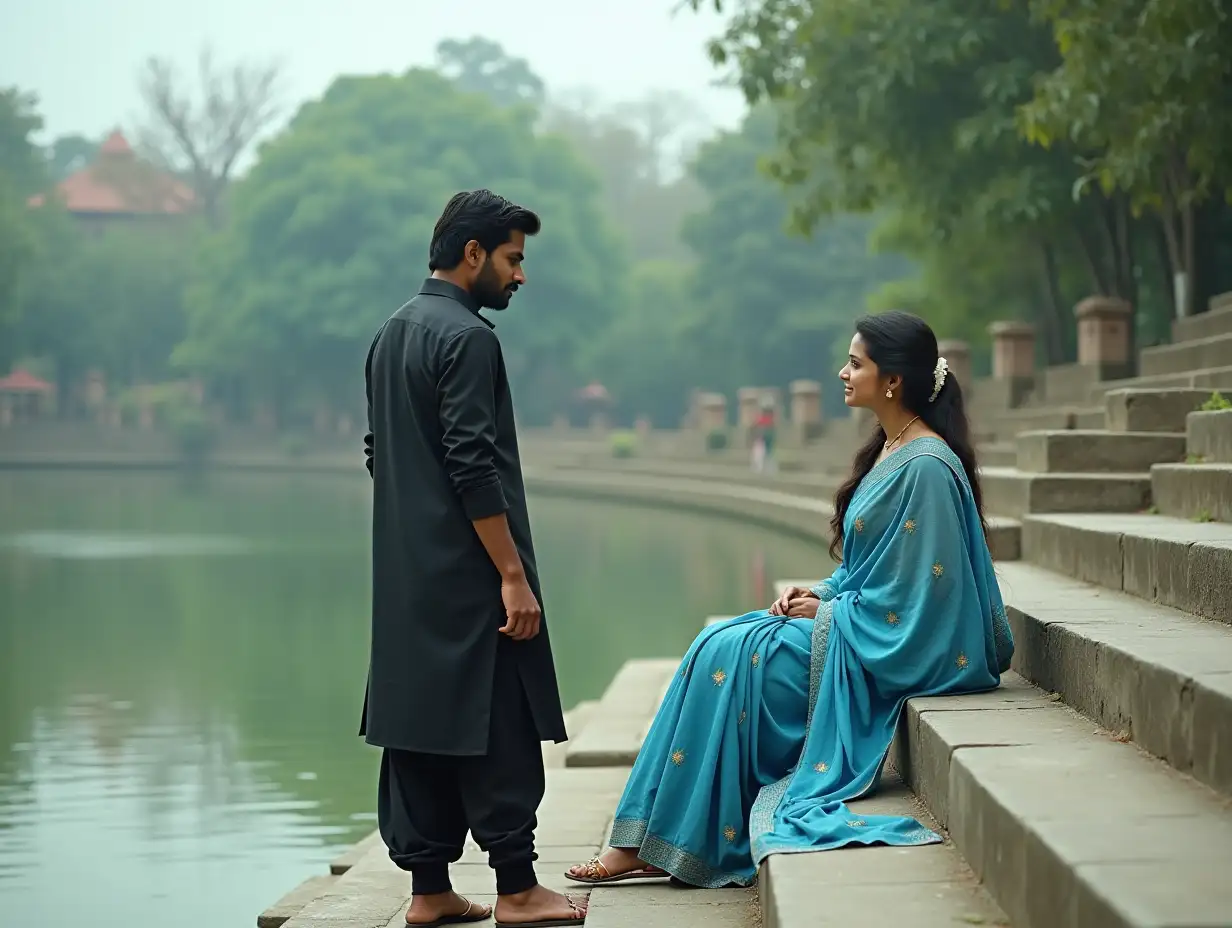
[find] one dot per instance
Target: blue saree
(773, 723)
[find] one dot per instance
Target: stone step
(1210, 436)
(294, 902)
(574, 818)
(575, 721)
(1159, 676)
(1063, 824)
(614, 732)
(1193, 491)
(997, 454)
(1206, 380)
(1015, 493)
(345, 861)
(1170, 561)
(1217, 320)
(1045, 418)
(1082, 451)
(1152, 410)
(1209, 351)
(875, 887)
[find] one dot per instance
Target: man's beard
(489, 291)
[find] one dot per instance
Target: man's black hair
(478, 215)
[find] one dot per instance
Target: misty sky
(82, 56)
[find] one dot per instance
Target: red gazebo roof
(22, 381)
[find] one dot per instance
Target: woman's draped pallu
(772, 724)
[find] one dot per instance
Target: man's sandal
(474, 913)
(551, 922)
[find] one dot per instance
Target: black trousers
(427, 802)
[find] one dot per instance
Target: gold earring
(889, 394)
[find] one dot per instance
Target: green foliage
(1216, 403)
(623, 444)
(194, 431)
(325, 229)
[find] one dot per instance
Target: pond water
(182, 665)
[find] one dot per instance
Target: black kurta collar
(437, 287)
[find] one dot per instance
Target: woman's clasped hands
(797, 602)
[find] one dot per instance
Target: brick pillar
(1013, 350)
(958, 355)
(1103, 331)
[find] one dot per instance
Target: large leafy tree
(1144, 89)
(912, 109)
(330, 231)
(21, 175)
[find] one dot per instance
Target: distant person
(763, 439)
(779, 717)
(461, 685)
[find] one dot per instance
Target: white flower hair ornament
(939, 373)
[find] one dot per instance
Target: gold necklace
(886, 446)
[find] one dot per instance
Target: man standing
(461, 685)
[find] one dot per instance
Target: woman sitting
(779, 717)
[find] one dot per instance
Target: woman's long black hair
(903, 344)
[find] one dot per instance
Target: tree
(70, 153)
(204, 134)
(912, 110)
(329, 234)
(21, 175)
(479, 65)
(1144, 89)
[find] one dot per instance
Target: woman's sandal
(598, 875)
(474, 913)
(550, 922)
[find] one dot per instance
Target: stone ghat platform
(1092, 790)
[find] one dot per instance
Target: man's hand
(782, 605)
(522, 612)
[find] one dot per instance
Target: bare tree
(202, 132)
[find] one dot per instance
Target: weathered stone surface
(1206, 352)
(1083, 451)
(345, 861)
(1174, 562)
(1052, 815)
(1147, 410)
(613, 735)
(1210, 435)
(1216, 321)
(1155, 674)
(1193, 491)
(1014, 493)
(917, 886)
(293, 902)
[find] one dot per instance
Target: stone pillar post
(958, 355)
(1103, 331)
(806, 408)
(748, 401)
(1013, 350)
(712, 412)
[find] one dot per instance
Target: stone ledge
(1066, 827)
(1015, 493)
(1182, 357)
(1096, 451)
(618, 723)
(1193, 491)
(1176, 563)
(1210, 435)
(1157, 675)
(1146, 410)
(1215, 321)
(921, 887)
(805, 517)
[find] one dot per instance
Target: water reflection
(181, 672)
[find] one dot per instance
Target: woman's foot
(430, 910)
(615, 862)
(537, 906)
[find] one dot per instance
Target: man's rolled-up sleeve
(466, 396)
